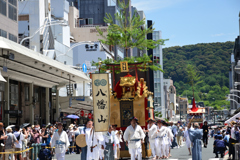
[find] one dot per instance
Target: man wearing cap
(134, 136)
(219, 146)
(205, 134)
(152, 129)
(60, 142)
(195, 135)
(174, 131)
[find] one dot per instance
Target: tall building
(234, 73)
(91, 14)
(9, 19)
(170, 103)
(158, 75)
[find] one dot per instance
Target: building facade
(170, 102)
(158, 75)
(9, 19)
(182, 107)
(234, 74)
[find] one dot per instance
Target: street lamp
(233, 95)
(234, 90)
(75, 45)
(62, 23)
(237, 67)
(233, 100)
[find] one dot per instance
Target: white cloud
(218, 35)
(151, 5)
(222, 34)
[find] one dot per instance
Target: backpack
(18, 138)
(44, 154)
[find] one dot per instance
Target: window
(111, 2)
(12, 37)
(26, 92)
(88, 21)
(181, 112)
(13, 2)
(3, 33)
(181, 106)
(3, 7)
(12, 12)
(14, 95)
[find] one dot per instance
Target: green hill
(212, 61)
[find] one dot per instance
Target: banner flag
(101, 101)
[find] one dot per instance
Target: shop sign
(101, 101)
(13, 112)
(79, 98)
(91, 47)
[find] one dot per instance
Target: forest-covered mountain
(212, 60)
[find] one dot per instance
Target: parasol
(25, 125)
(71, 116)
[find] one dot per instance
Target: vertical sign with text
(101, 101)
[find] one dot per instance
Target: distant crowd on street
(161, 136)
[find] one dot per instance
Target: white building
(158, 76)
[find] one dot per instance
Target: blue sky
(186, 22)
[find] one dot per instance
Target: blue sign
(80, 98)
(84, 68)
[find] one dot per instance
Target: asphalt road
(177, 153)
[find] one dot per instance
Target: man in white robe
(168, 140)
(100, 139)
(60, 142)
(152, 129)
(160, 142)
(187, 140)
(92, 142)
(134, 138)
(119, 139)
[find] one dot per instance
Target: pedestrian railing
(34, 150)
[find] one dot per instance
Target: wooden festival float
(130, 97)
(197, 112)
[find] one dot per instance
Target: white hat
(9, 129)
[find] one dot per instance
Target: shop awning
(77, 103)
(33, 67)
(233, 118)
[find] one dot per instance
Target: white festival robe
(168, 140)
(60, 142)
(118, 141)
(135, 147)
(152, 138)
(160, 141)
(100, 140)
(186, 136)
(91, 140)
(131, 134)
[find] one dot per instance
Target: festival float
(197, 112)
(130, 97)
